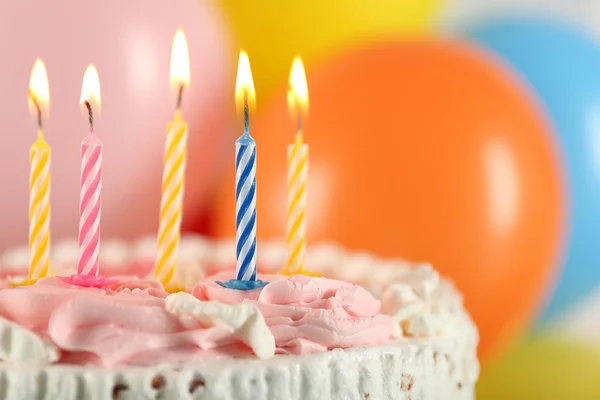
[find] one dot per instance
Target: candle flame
(244, 85)
(298, 92)
(38, 89)
(180, 62)
(90, 88)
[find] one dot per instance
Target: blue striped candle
(245, 203)
(245, 187)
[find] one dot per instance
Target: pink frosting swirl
(118, 331)
(128, 323)
(307, 315)
(125, 324)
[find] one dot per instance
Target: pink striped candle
(91, 181)
(89, 205)
(88, 266)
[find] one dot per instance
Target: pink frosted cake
(365, 329)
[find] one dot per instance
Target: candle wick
(179, 97)
(90, 114)
(246, 115)
(299, 120)
(39, 110)
(299, 123)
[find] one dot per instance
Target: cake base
(399, 371)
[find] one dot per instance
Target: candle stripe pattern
(89, 206)
(245, 196)
(171, 206)
(296, 212)
(39, 213)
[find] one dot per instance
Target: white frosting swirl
(13, 261)
(194, 248)
(145, 248)
(114, 252)
(245, 319)
(423, 305)
(188, 273)
(63, 260)
(272, 256)
(19, 345)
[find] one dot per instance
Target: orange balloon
(427, 150)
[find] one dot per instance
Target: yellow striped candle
(171, 205)
(297, 174)
(296, 212)
(39, 180)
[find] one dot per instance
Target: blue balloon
(562, 64)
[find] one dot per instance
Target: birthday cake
(189, 318)
(365, 328)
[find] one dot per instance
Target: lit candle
(88, 265)
(39, 179)
(171, 204)
(91, 181)
(245, 185)
(297, 173)
(245, 177)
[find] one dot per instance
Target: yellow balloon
(544, 368)
(273, 31)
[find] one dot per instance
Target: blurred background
(461, 132)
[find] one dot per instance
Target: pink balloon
(130, 44)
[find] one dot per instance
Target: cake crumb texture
(386, 372)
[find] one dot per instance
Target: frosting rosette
(424, 305)
(307, 314)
